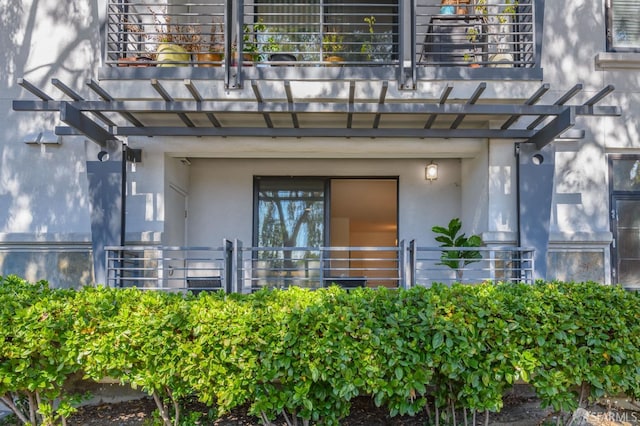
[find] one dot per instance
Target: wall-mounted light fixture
(103, 156)
(431, 172)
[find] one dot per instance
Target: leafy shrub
(304, 355)
(38, 351)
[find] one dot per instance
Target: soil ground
(520, 409)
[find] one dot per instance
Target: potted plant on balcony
(498, 20)
(332, 46)
(251, 46)
(368, 46)
(210, 47)
(454, 7)
(278, 46)
(174, 42)
(449, 238)
(138, 37)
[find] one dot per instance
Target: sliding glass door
(314, 232)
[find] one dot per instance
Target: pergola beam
(75, 113)
(260, 104)
(554, 128)
(294, 116)
(472, 100)
(443, 99)
(74, 118)
(381, 99)
(327, 132)
(531, 101)
(93, 85)
(162, 107)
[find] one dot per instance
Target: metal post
(412, 263)
(228, 250)
(402, 265)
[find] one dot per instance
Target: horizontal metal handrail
(498, 33)
(315, 267)
(234, 268)
(471, 264)
(476, 33)
(168, 268)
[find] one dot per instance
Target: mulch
(521, 411)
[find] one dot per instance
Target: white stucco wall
(221, 193)
(44, 219)
(42, 188)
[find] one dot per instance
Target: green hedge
(306, 354)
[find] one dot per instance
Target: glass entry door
(313, 232)
(627, 241)
(289, 232)
(625, 220)
(364, 220)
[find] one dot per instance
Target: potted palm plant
(457, 254)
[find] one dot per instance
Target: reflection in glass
(290, 214)
(626, 175)
(628, 241)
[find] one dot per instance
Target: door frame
(614, 196)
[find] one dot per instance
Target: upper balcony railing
(323, 33)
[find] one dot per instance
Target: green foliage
(137, 337)
(368, 46)
(306, 354)
(38, 351)
(449, 237)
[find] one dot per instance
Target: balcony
(377, 39)
(233, 267)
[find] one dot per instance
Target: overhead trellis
(107, 117)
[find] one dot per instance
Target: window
(623, 25)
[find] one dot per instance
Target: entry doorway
(364, 213)
(624, 173)
(358, 216)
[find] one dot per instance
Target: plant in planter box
(368, 46)
(278, 46)
(174, 41)
(332, 45)
(209, 48)
(139, 40)
(497, 21)
(457, 259)
(252, 47)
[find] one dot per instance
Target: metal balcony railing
(424, 33)
(170, 268)
(349, 267)
(470, 265)
(235, 268)
(476, 33)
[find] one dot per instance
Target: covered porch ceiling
(292, 109)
